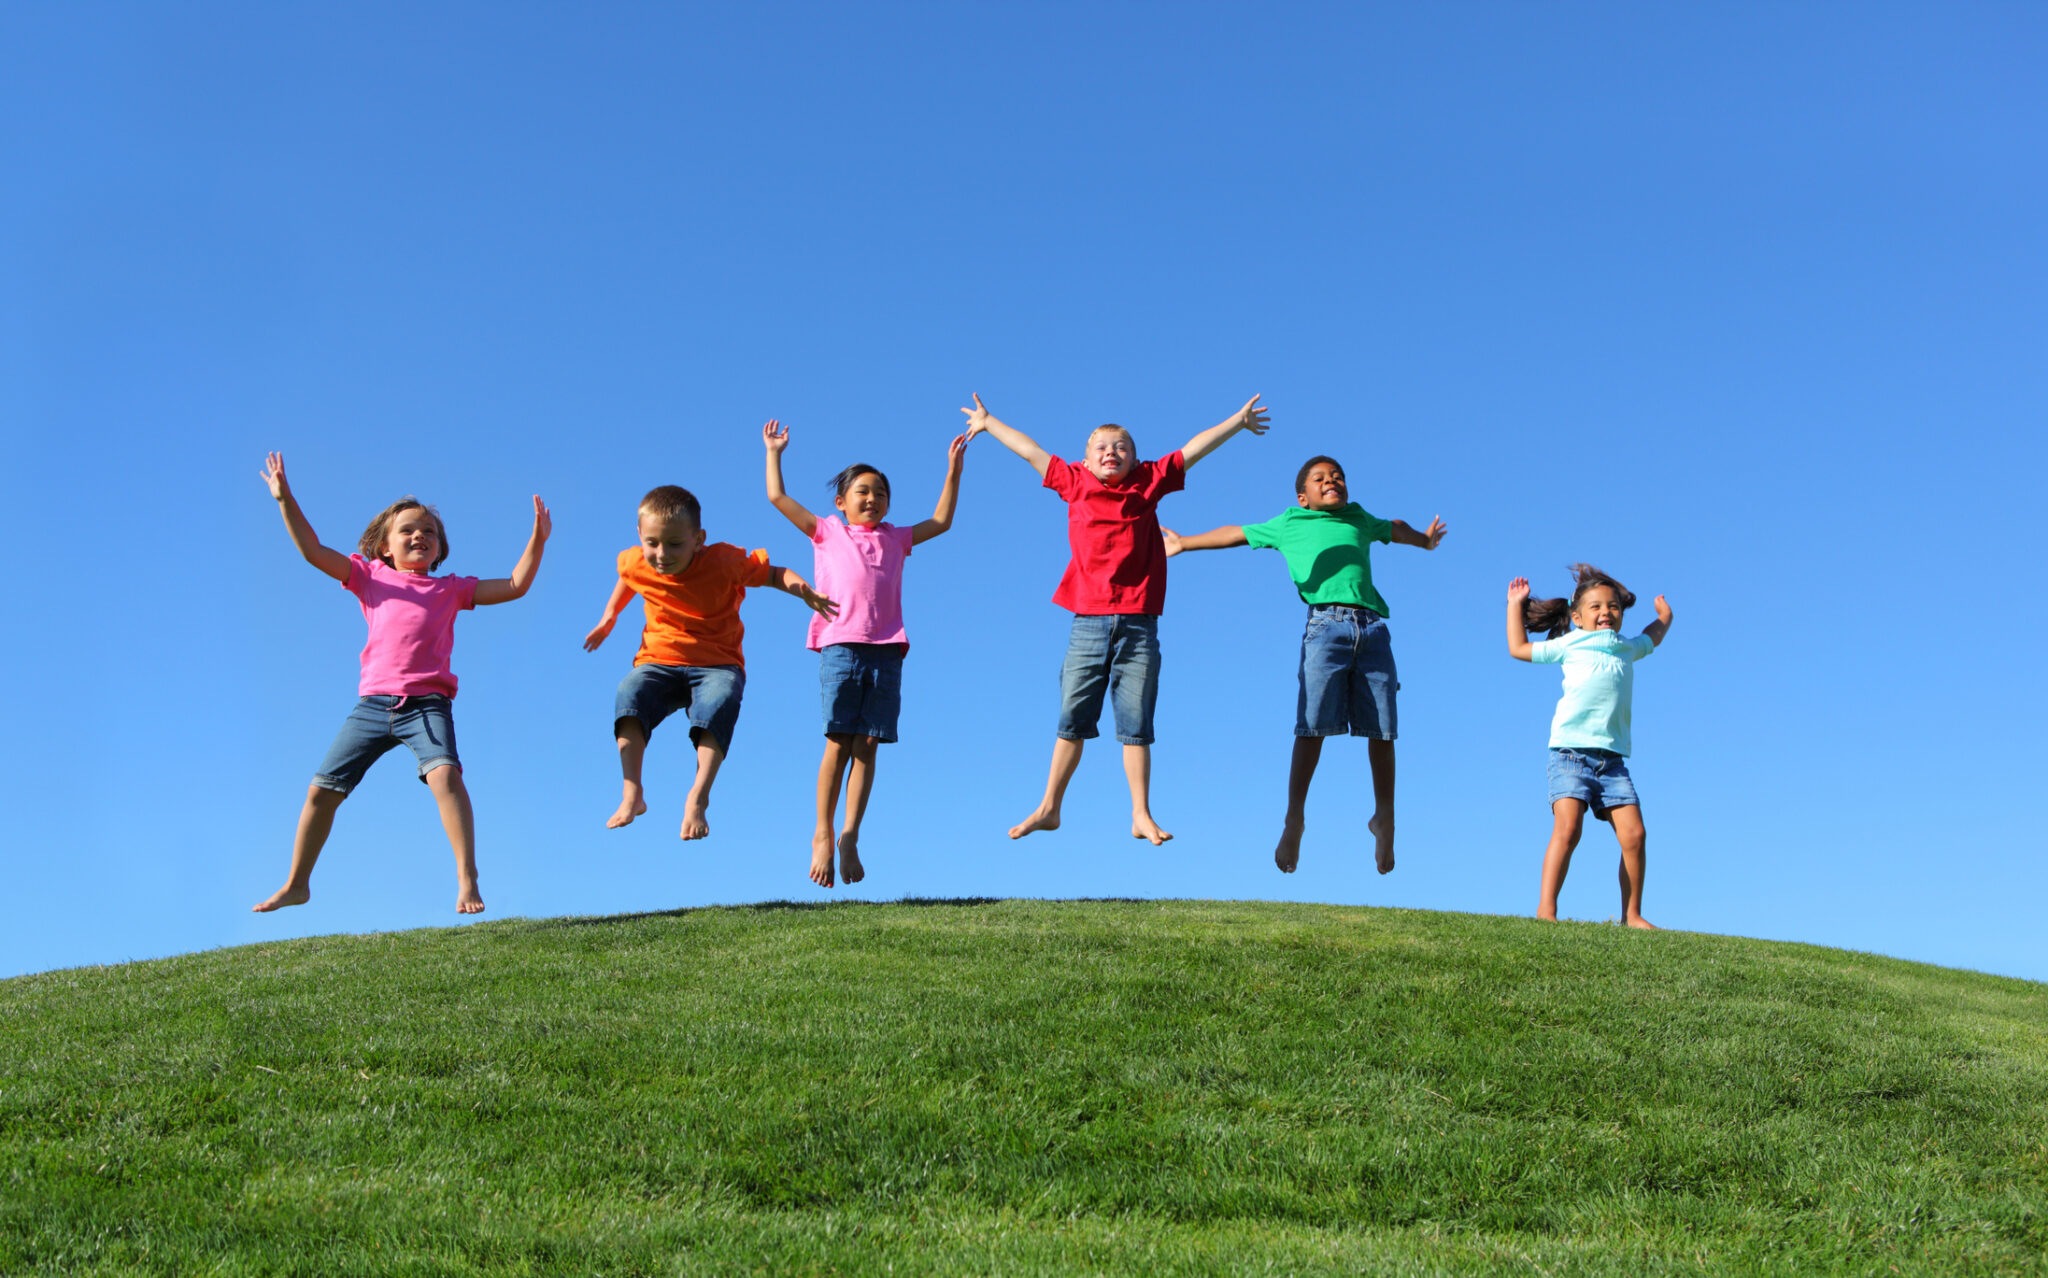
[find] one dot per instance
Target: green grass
(1020, 1087)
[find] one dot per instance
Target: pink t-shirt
(412, 627)
(861, 570)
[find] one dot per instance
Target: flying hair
(671, 502)
(379, 531)
(1554, 616)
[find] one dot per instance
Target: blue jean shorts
(1347, 675)
(711, 694)
(376, 725)
(862, 688)
(1117, 655)
(1597, 778)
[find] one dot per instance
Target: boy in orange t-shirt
(689, 656)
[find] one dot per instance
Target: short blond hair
(1118, 429)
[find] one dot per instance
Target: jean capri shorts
(862, 688)
(377, 724)
(1598, 778)
(1117, 655)
(711, 694)
(1347, 675)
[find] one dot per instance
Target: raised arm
(497, 590)
(1251, 417)
(1518, 633)
(1657, 629)
(949, 495)
(776, 437)
(979, 419)
(325, 558)
(622, 594)
(1405, 535)
(1214, 539)
(789, 582)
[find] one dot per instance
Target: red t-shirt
(1119, 563)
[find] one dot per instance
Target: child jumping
(1589, 735)
(407, 690)
(689, 657)
(859, 561)
(1346, 676)
(1115, 585)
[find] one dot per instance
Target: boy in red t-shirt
(1115, 586)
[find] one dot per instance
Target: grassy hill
(1018, 1087)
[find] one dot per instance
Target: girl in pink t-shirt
(406, 688)
(859, 564)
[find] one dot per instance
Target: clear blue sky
(1747, 304)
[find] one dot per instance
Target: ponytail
(1554, 616)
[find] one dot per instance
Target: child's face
(668, 545)
(866, 501)
(412, 541)
(1324, 489)
(1111, 454)
(1598, 610)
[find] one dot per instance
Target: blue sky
(1746, 304)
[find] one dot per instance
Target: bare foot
(695, 826)
(821, 858)
(1641, 922)
(286, 895)
(850, 868)
(632, 805)
(1039, 820)
(1287, 852)
(1144, 827)
(469, 900)
(1382, 828)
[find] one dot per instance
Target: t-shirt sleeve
(1169, 475)
(1641, 646)
(1264, 536)
(1374, 528)
(465, 591)
(1547, 652)
(1063, 477)
(824, 528)
(752, 569)
(358, 579)
(905, 537)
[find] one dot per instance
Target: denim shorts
(711, 694)
(1598, 778)
(1117, 655)
(427, 724)
(862, 687)
(1347, 675)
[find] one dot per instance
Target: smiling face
(865, 501)
(1111, 454)
(412, 540)
(1323, 487)
(1597, 609)
(668, 545)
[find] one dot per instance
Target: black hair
(1554, 616)
(1301, 476)
(669, 501)
(842, 481)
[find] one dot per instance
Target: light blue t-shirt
(1599, 681)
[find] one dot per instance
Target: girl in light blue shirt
(1589, 735)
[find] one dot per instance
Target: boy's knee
(324, 799)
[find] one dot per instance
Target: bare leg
(1138, 771)
(452, 797)
(709, 755)
(632, 749)
(830, 769)
(1568, 818)
(1066, 756)
(316, 820)
(1382, 824)
(1308, 751)
(1628, 830)
(860, 783)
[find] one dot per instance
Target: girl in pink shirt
(406, 688)
(860, 564)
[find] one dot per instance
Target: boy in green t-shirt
(1347, 660)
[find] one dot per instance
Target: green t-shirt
(1327, 552)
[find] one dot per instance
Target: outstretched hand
(1172, 540)
(597, 635)
(273, 475)
(543, 520)
(977, 418)
(1663, 609)
(775, 435)
(956, 454)
(1252, 417)
(1434, 533)
(1518, 590)
(818, 603)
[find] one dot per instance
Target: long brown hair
(372, 544)
(1554, 616)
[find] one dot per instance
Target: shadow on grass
(917, 902)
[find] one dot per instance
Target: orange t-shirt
(693, 618)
